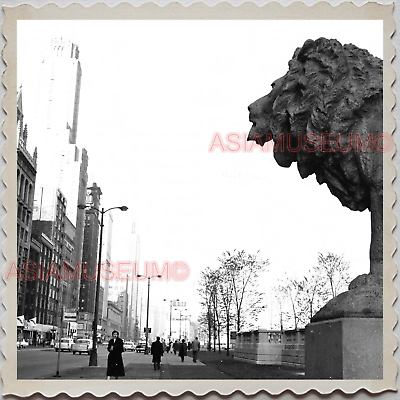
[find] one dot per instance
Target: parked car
(65, 345)
(140, 347)
(129, 346)
(22, 344)
(82, 346)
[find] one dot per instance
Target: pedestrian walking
(195, 348)
(157, 351)
(115, 365)
(176, 347)
(182, 350)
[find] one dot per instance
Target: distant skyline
(149, 111)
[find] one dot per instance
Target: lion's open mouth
(259, 138)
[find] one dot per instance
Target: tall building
(114, 319)
(55, 128)
(54, 230)
(70, 286)
(133, 325)
(89, 258)
(106, 255)
(26, 247)
(43, 256)
(123, 304)
(59, 92)
(61, 167)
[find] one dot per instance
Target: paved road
(39, 363)
(42, 364)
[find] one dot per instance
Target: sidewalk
(37, 348)
(174, 368)
(142, 368)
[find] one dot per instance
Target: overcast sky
(153, 95)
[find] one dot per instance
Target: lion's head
(333, 89)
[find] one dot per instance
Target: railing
(271, 347)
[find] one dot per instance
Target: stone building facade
(26, 178)
(114, 319)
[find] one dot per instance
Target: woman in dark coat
(182, 350)
(115, 365)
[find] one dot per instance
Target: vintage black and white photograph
(200, 200)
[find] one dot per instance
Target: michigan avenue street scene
(201, 203)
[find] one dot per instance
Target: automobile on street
(140, 347)
(129, 346)
(22, 344)
(82, 346)
(64, 345)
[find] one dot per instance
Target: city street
(39, 363)
(36, 363)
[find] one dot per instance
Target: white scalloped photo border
(172, 11)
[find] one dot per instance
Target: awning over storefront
(31, 326)
(45, 328)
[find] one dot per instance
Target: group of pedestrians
(115, 365)
(181, 348)
(157, 350)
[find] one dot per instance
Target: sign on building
(179, 303)
(69, 317)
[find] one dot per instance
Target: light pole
(93, 353)
(146, 350)
(170, 317)
(187, 329)
(180, 320)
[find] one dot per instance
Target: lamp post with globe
(146, 349)
(170, 316)
(93, 353)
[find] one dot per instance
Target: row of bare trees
(299, 299)
(230, 296)
(231, 299)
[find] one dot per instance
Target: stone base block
(345, 348)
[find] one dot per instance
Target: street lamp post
(146, 350)
(180, 321)
(170, 317)
(187, 331)
(93, 353)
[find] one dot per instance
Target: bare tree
(206, 291)
(336, 270)
(242, 270)
(306, 295)
(290, 289)
(311, 295)
(226, 294)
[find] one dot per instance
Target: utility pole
(137, 289)
(57, 375)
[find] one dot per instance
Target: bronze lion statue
(326, 114)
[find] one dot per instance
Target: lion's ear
(303, 53)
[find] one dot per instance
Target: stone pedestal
(345, 348)
(268, 347)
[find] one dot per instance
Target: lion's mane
(329, 88)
